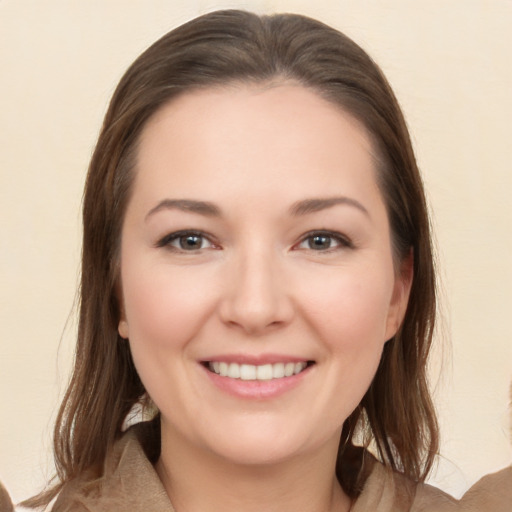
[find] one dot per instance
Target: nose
(256, 298)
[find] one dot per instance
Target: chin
(263, 444)
(257, 452)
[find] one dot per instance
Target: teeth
(223, 369)
(252, 372)
(264, 372)
(234, 371)
(298, 368)
(289, 369)
(247, 372)
(278, 371)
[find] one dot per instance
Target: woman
(257, 270)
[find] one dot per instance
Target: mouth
(263, 372)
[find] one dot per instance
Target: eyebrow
(315, 205)
(298, 208)
(187, 205)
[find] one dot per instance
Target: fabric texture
(130, 483)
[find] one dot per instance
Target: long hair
(224, 47)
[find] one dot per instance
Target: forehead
(271, 132)
(250, 106)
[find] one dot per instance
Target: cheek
(350, 308)
(164, 307)
(346, 309)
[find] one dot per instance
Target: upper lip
(255, 360)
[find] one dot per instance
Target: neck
(196, 480)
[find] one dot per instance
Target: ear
(400, 297)
(122, 326)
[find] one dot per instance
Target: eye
(323, 241)
(189, 241)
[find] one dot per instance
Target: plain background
(449, 63)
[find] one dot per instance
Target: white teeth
(278, 371)
(253, 372)
(264, 372)
(234, 371)
(247, 372)
(223, 369)
(288, 369)
(298, 368)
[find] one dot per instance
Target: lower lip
(256, 389)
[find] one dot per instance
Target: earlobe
(122, 326)
(122, 329)
(400, 297)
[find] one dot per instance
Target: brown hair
(216, 49)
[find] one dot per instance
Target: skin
(256, 284)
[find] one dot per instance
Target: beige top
(130, 483)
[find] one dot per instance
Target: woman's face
(258, 285)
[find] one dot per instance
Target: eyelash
(167, 240)
(341, 241)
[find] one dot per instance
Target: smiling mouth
(257, 372)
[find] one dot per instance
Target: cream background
(449, 63)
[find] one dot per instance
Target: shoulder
(492, 493)
(387, 491)
(128, 482)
